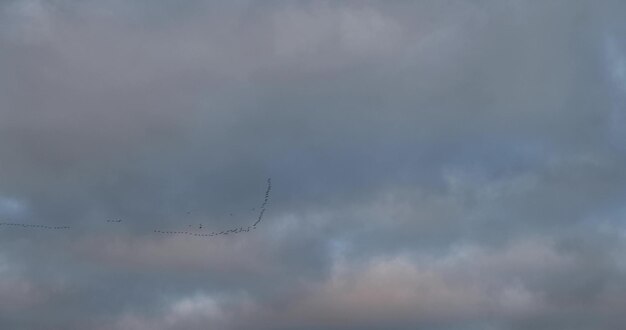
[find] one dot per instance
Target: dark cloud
(441, 165)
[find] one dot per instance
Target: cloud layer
(441, 165)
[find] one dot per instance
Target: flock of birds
(25, 225)
(232, 231)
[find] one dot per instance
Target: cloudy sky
(447, 165)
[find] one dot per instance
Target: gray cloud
(449, 165)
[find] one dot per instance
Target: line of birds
(229, 231)
(267, 196)
(224, 232)
(229, 214)
(26, 225)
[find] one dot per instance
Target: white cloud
(11, 207)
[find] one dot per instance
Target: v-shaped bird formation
(230, 231)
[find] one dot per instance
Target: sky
(444, 165)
